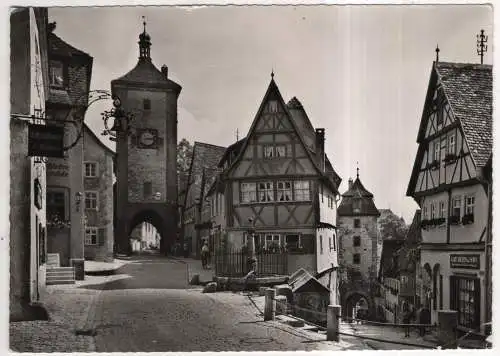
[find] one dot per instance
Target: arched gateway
(146, 186)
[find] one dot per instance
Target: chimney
(320, 147)
(164, 70)
(350, 182)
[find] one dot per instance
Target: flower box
(468, 219)
(454, 220)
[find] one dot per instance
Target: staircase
(57, 274)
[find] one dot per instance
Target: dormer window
(56, 72)
(146, 104)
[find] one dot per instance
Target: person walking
(204, 254)
(407, 318)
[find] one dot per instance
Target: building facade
(450, 183)
(28, 65)
(197, 212)
(147, 153)
(70, 71)
(278, 188)
(97, 197)
(359, 247)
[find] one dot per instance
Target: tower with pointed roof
(358, 245)
(146, 157)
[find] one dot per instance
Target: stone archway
(147, 216)
(356, 300)
(161, 216)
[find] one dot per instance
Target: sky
(361, 72)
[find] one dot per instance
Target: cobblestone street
(147, 306)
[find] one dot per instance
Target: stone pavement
(69, 307)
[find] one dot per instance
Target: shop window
(465, 298)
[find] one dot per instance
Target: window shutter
(101, 236)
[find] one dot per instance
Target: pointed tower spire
(272, 73)
(437, 53)
(144, 43)
(357, 170)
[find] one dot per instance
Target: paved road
(149, 307)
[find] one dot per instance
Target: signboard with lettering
(45, 141)
(464, 261)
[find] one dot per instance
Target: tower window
(356, 259)
(56, 74)
(148, 190)
(357, 223)
(146, 104)
(356, 241)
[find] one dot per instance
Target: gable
(273, 125)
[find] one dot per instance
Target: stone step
(58, 269)
(53, 259)
(50, 282)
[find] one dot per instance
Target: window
(91, 200)
(146, 104)
(56, 73)
(302, 192)
(436, 151)
(357, 223)
(56, 206)
(91, 236)
(457, 206)
(147, 190)
(465, 298)
(433, 210)
(442, 209)
(321, 244)
(469, 205)
(443, 147)
(334, 238)
(426, 212)
(90, 169)
(292, 242)
(272, 241)
(280, 151)
(356, 241)
(274, 151)
(452, 144)
(273, 106)
(266, 191)
(356, 259)
(284, 191)
(248, 192)
(268, 151)
(357, 206)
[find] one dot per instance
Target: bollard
(332, 323)
(270, 304)
(281, 305)
(447, 332)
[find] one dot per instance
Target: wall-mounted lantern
(78, 200)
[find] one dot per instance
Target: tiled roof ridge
(208, 144)
(70, 47)
(463, 64)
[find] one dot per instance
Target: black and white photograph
(266, 177)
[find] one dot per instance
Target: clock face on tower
(147, 138)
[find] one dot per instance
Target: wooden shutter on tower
(101, 236)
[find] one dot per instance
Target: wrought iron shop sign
(464, 261)
(45, 141)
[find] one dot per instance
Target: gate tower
(146, 157)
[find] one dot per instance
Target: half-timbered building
(449, 183)
(279, 187)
